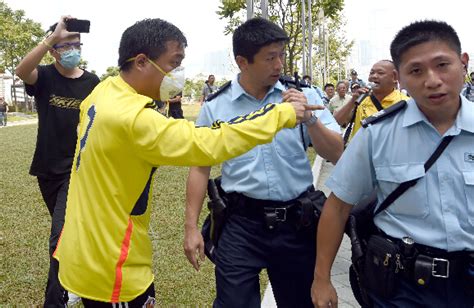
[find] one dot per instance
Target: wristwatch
(311, 121)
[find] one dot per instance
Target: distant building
(3, 77)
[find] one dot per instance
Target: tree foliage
(193, 87)
(18, 35)
(287, 14)
(110, 71)
(339, 49)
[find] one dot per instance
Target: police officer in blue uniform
(436, 215)
(263, 183)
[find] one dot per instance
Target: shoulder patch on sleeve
(218, 92)
(289, 82)
(248, 117)
(151, 105)
(384, 113)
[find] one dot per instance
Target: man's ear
(242, 62)
(140, 61)
(395, 75)
(55, 54)
(465, 61)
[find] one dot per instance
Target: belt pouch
(307, 215)
(422, 270)
(469, 275)
(381, 266)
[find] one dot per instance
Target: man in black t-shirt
(59, 89)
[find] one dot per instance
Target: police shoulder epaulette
(384, 114)
(218, 92)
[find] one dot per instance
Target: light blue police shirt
(439, 210)
(319, 91)
(279, 170)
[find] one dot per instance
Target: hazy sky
(379, 21)
(374, 20)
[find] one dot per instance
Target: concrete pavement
(27, 119)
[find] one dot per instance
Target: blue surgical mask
(70, 58)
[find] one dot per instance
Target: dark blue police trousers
(246, 246)
(442, 293)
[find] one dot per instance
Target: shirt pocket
(248, 156)
(414, 201)
(469, 191)
(288, 142)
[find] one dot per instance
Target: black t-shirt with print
(57, 100)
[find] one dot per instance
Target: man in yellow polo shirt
(104, 251)
(384, 79)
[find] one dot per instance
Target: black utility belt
(424, 268)
(388, 259)
(302, 211)
(431, 263)
(258, 209)
(421, 260)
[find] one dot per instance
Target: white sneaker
(73, 299)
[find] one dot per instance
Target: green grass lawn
(25, 225)
(191, 111)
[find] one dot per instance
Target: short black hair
(254, 34)
(307, 77)
(421, 32)
(327, 85)
(340, 82)
(148, 36)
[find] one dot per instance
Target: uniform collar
(464, 120)
(238, 91)
(413, 115)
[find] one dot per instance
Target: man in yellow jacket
(384, 80)
(104, 250)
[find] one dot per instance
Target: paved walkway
(27, 120)
(340, 270)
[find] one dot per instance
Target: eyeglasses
(68, 46)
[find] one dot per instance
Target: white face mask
(172, 84)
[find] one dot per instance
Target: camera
(74, 25)
(78, 25)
